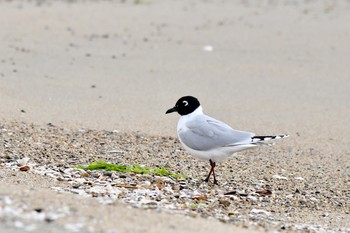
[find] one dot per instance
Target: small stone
(108, 174)
(151, 205)
(225, 202)
(192, 213)
(232, 213)
(325, 214)
(159, 183)
(23, 161)
(252, 198)
(259, 211)
(175, 187)
(116, 152)
(278, 177)
(200, 197)
(84, 174)
(24, 168)
(80, 180)
(208, 48)
(264, 192)
(146, 184)
(39, 210)
(242, 193)
(230, 193)
(95, 175)
(48, 219)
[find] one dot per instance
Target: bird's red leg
(215, 181)
(212, 165)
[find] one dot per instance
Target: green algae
(136, 168)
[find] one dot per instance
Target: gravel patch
(277, 188)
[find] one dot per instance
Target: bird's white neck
(198, 111)
(183, 119)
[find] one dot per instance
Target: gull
(209, 139)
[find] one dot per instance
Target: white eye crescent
(185, 102)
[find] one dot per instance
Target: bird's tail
(267, 139)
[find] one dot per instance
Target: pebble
(208, 48)
(299, 178)
(225, 202)
(24, 168)
(278, 177)
(259, 211)
(250, 197)
(23, 161)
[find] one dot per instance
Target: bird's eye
(185, 103)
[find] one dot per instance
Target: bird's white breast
(217, 154)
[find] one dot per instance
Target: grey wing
(206, 133)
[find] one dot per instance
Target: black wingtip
(268, 138)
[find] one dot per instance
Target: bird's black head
(185, 105)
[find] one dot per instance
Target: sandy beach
(81, 81)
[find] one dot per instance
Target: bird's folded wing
(206, 133)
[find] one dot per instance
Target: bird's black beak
(171, 110)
